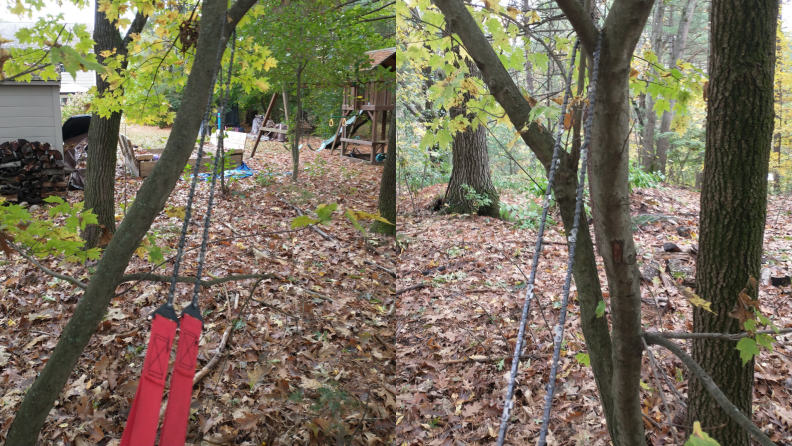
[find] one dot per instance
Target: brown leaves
(4, 239)
(746, 308)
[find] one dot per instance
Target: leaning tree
(149, 202)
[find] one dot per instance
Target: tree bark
(103, 135)
(541, 143)
(387, 194)
(471, 166)
(295, 146)
(733, 198)
(148, 204)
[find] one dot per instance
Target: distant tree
(387, 194)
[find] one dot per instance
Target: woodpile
(31, 171)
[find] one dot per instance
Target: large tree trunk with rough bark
(470, 178)
(149, 202)
(470, 189)
(387, 194)
(740, 122)
(103, 139)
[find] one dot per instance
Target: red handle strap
(141, 427)
(174, 428)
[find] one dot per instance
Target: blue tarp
(240, 172)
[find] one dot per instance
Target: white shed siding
(85, 79)
(31, 111)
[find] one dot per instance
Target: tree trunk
(387, 195)
(150, 201)
(677, 47)
(102, 143)
(295, 146)
(471, 169)
(733, 199)
(648, 157)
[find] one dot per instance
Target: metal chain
(217, 161)
(572, 239)
(529, 293)
(196, 170)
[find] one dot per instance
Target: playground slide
(329, 142)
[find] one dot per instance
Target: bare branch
(46, 270)
(712, 388)
(720, 336)
(181, 279)
(137, 26)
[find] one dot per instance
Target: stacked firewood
(31, 171)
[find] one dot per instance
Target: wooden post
(384, 125)
(374, 135)
(285, 106)
(263, 124)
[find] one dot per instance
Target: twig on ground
(410, 288)
(650, 354)
(477, 358)
(72, 280)
(204, 283)
(389, 271)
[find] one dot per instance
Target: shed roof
(382, 56)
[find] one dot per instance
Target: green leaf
(324, 211)
(302, 221)
(765, 340)
(750, 325)
(601, 308)
(584, 359)
(700, 438)
(748, 349)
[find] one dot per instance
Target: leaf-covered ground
(454, 335)
(312, 361)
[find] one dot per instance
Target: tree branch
(137, 26)
(182, 279)
(712, 388)
(235, 14)
(582, 22)
(46, 270)
(720, 336)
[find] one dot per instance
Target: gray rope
(572, 239)
(529, 293)
(196, 170)
(217, 161)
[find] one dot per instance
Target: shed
(31, 111)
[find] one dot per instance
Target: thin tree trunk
(295, 146)
(677, 47)
(648, 157)
(150, 201)
(387, 194)
(733, 199)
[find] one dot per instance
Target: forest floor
(311, 363)
(455, 335)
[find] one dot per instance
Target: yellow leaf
(534, 18)
(513, 12)
(634, 73)
(175, 212)
(270, 63)
(694, 299)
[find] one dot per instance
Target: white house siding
(31, 111)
